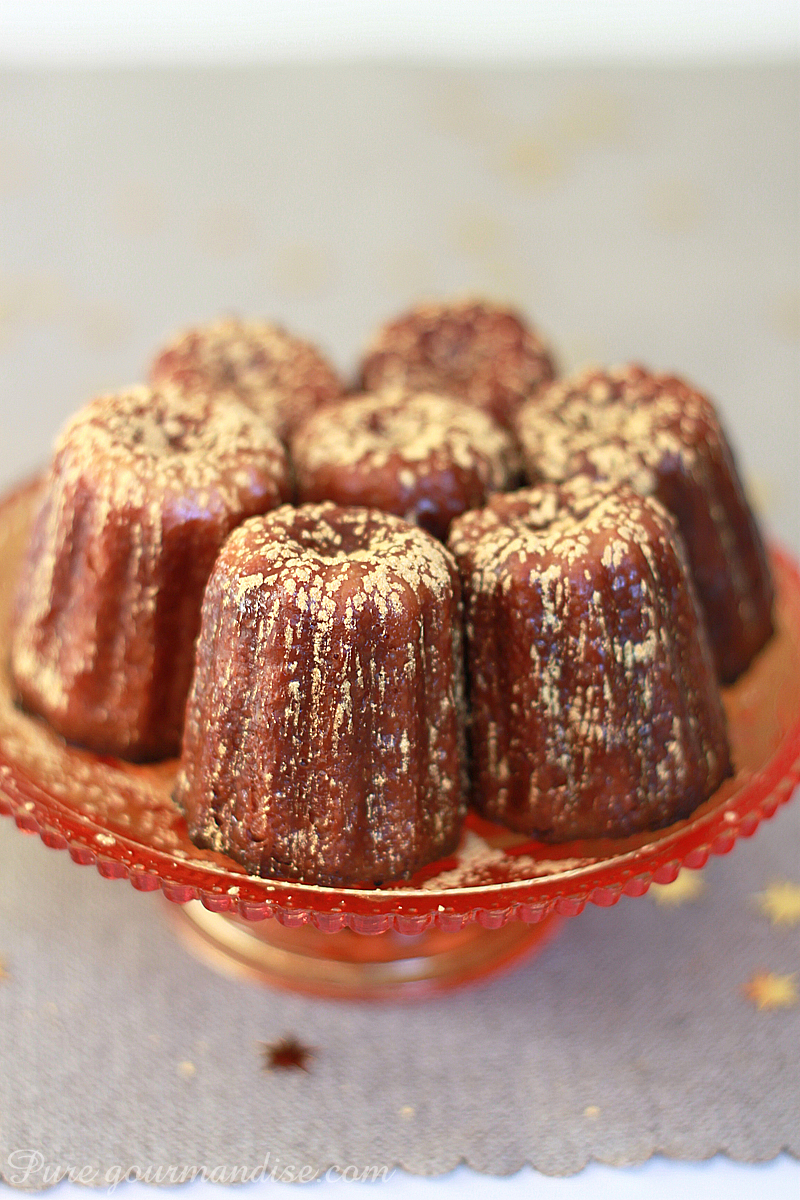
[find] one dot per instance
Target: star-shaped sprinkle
(286, 1054)
(768, 991)
(780, 902)
(687, 887)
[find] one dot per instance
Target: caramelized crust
(594, 707)
(424, 457)
(143, 489)
(479, 352)
(656, 433)
(279, 376)
(324, 730)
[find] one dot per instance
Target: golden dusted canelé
(655, 432)
(278, 375)
(480, 352)
(324, 736)
(424, 457)
(595, 710)
(143, 489)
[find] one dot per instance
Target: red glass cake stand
(498, 899)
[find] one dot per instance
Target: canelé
(143, 489)
(595, 709)
(480, 352)
(324, 736)
(424, 457)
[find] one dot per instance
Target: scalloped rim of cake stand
(626, 867)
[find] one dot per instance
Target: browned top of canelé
(280, 376)
(560, 534)
(481, 352)
(424, 457)
(619, 424)
(144, 446)
(324, 547)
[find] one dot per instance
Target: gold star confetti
(286, 1054)
(780, 902)
(686, 888)
(768, 991)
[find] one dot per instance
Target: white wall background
(205, 31)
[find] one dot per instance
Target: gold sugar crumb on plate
(780, 902)
(186, 1070)
(4, 974)
(687, 888)
(591, 1112)
(768, 991)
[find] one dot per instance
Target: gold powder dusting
(424, 457)
(615, 424)
(417, 429)
(480, 352)
(169, 437)
(280, 376)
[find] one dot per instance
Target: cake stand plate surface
(120, 818)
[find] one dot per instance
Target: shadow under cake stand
(498, 899)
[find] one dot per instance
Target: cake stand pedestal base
(356, 966)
